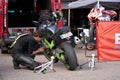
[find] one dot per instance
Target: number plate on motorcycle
(68, 34)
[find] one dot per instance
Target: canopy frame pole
(68, 17)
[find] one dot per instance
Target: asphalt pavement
(104, 70)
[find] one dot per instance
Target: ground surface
(109, 70)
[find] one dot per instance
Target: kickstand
(42, 68)
(91, 62)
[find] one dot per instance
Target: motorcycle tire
(70, 56)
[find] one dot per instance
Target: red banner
(108, 40)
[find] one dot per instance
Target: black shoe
(17, 67)
(16, 64)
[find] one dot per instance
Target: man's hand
(38, 51)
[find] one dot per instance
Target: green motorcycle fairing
(49, 44)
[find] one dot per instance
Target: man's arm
(38, 51)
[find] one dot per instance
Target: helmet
(45, 15)
(57, 15)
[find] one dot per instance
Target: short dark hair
(38, 33)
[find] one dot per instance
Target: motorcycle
(59, 43)
(98, 13)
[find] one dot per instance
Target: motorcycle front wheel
(70, 56)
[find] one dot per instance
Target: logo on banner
(117, 38)
(117, 41)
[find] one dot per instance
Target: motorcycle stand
(90, 62)
(42, 68)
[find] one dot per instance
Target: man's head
(38, 35)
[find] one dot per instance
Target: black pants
(25, 60)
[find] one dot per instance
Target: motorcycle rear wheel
(70, 56)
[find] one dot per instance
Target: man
(24, 49)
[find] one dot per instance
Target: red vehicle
(3, 22)
(16, 17)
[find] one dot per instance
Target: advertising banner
(108, 40)
(21, 29)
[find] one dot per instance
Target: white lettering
(117, 38)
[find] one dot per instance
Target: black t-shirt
(25, 45)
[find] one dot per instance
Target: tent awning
(110, 4)
(65, 5)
